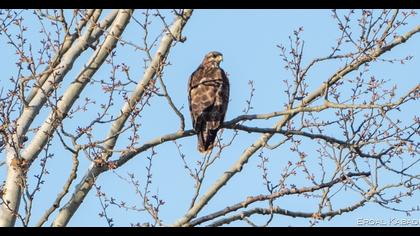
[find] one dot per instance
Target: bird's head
(213, 59)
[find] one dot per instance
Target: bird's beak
(219, 58)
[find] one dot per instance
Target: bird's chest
(210, 75)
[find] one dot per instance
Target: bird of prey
(208, 97)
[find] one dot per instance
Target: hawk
(208, 97)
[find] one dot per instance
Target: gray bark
(12, 188)
(83, 188)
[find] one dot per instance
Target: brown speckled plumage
(208, 96)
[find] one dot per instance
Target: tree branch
(275, 195)
(48, 127)
(278, 210)
(87, 182)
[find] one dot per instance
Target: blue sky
(247, 39)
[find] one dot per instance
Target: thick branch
(76, 88)
(66, 63)
(38, 101)
(87, 182)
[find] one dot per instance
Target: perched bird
(208, 97)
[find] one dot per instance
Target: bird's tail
(206, 139)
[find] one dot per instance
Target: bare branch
(86, 184)
(281, 193)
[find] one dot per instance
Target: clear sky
(247, 39)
